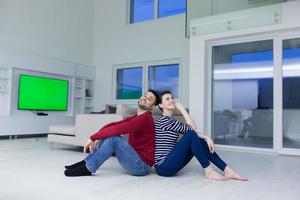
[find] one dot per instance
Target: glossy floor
(29, 170)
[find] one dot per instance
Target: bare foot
(229, 173)
(212, 174)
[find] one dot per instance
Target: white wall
(28, 122)
(55, 28)
(117, 42)
(46, 36)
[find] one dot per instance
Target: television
(42, 93)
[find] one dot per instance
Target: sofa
(87, 124)
(78, 134)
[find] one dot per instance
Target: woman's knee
(192, 134)
(195, 138)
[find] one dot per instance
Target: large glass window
(243, 94)
(143, 10)
(129, 83)
(171, 7)
(291, 94)
(164, 77)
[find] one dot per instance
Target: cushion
(157, 111)
(100, 112)
(62, 129)
(128, 110)
(110, 109)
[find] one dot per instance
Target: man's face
(147, 101)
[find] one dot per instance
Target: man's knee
(110, 141)
(113, 139)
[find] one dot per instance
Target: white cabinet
(89, 96)
(5, 81)
(83, 95)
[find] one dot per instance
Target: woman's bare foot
(229, 173)
(212, 174)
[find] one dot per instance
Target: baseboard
(37, 135)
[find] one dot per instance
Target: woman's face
(168, 103)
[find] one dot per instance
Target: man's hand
(91, 145)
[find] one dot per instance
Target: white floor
(30, 171)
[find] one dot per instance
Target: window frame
(134, 68)
(145, 83)
(156, 12)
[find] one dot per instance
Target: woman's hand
(188, 119)
(179, 106)
(210, 144)
(91, 145)
(209, 141)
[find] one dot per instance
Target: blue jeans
(189, 145)
(126, 155)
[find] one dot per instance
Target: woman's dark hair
(156, 96)
(161, 95)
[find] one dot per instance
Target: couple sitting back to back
(148, 146)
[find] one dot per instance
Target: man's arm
(128, 126)
(115, 123)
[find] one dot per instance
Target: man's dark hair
(161, 95)
(156, 96)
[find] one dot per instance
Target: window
(129, 83)
(291, 100)
(143, 10)
(132, 82)
(164, 77)
(171, 7)
(242, 94)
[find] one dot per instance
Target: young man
(136, 156)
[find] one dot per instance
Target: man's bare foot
(229, 173)
(212, 174)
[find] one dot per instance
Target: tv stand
(41, 114)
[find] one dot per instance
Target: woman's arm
(209, 141)
(188, 119)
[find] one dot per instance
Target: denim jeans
(188, 146)
(126, 155)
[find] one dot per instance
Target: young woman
(172, 155)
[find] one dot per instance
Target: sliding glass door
(291, 93)
(255, 94)
(243, 94)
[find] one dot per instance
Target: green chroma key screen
(42, 93)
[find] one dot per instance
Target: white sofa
(85, 126)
